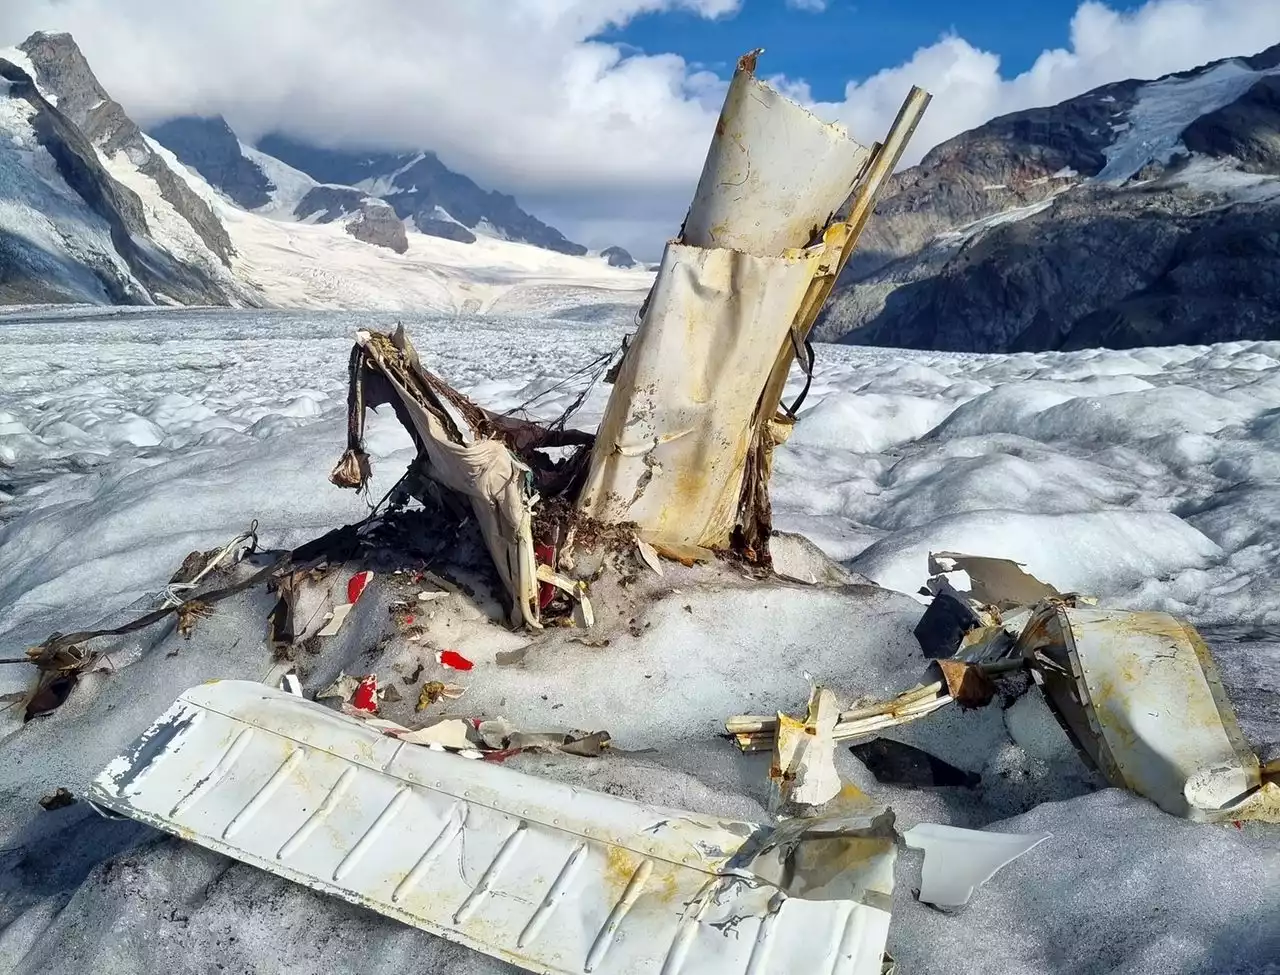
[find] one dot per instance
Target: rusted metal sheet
(546, 876)
(673, 443)
(1141, 695)
(775, 174)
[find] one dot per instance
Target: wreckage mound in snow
(83, 893)
(669, 658)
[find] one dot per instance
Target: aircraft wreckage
(423, 824)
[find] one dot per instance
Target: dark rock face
(330, 202)
(63, 70)
(209, 147)
(1246, 129)
(375, 222)
(1170, 257)
(378, 224)
(618, 257)
(1011, 161)
(415, 184)
(444, 228)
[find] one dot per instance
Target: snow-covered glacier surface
(1148, 477)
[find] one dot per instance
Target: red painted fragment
(356, 584)
(366, 695)
(451, 658)
(546, 555)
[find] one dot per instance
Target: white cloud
(808, 6)
(603, 142)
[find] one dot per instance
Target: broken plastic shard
(649, 555)
(453, 659)
(365, 697)
(334, 621)
(958, 861)
(453, 733)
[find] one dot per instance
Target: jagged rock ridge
(1125, 216)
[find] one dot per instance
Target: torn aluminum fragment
(649, 555)
(333, 621)
(671, 454)
(546, 876)
(1001, 583)
(482, 470)
(774, 172)
(958, 861)
(1141, 696)
(803, 772)
(672, 447)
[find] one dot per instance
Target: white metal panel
(775, 173)
(673, 442)
(549, 877)
(1141, 693)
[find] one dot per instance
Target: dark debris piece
(943, 626)
(893, 763)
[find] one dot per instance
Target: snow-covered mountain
(417, 187)
(422, 189)
(90, 210)
(1140, 213)
(94, 210)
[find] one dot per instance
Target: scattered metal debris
(434, 690)
(803, 772)
(757, 733)
(999, 583)
(1140, 695)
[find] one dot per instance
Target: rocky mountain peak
(1142, 212)
(63, 71)
(211, 148)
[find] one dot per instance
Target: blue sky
(849, 41)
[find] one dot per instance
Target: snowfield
(1149, 477)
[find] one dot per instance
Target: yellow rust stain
(619, 866)
(851, 793)
(1152, 624)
